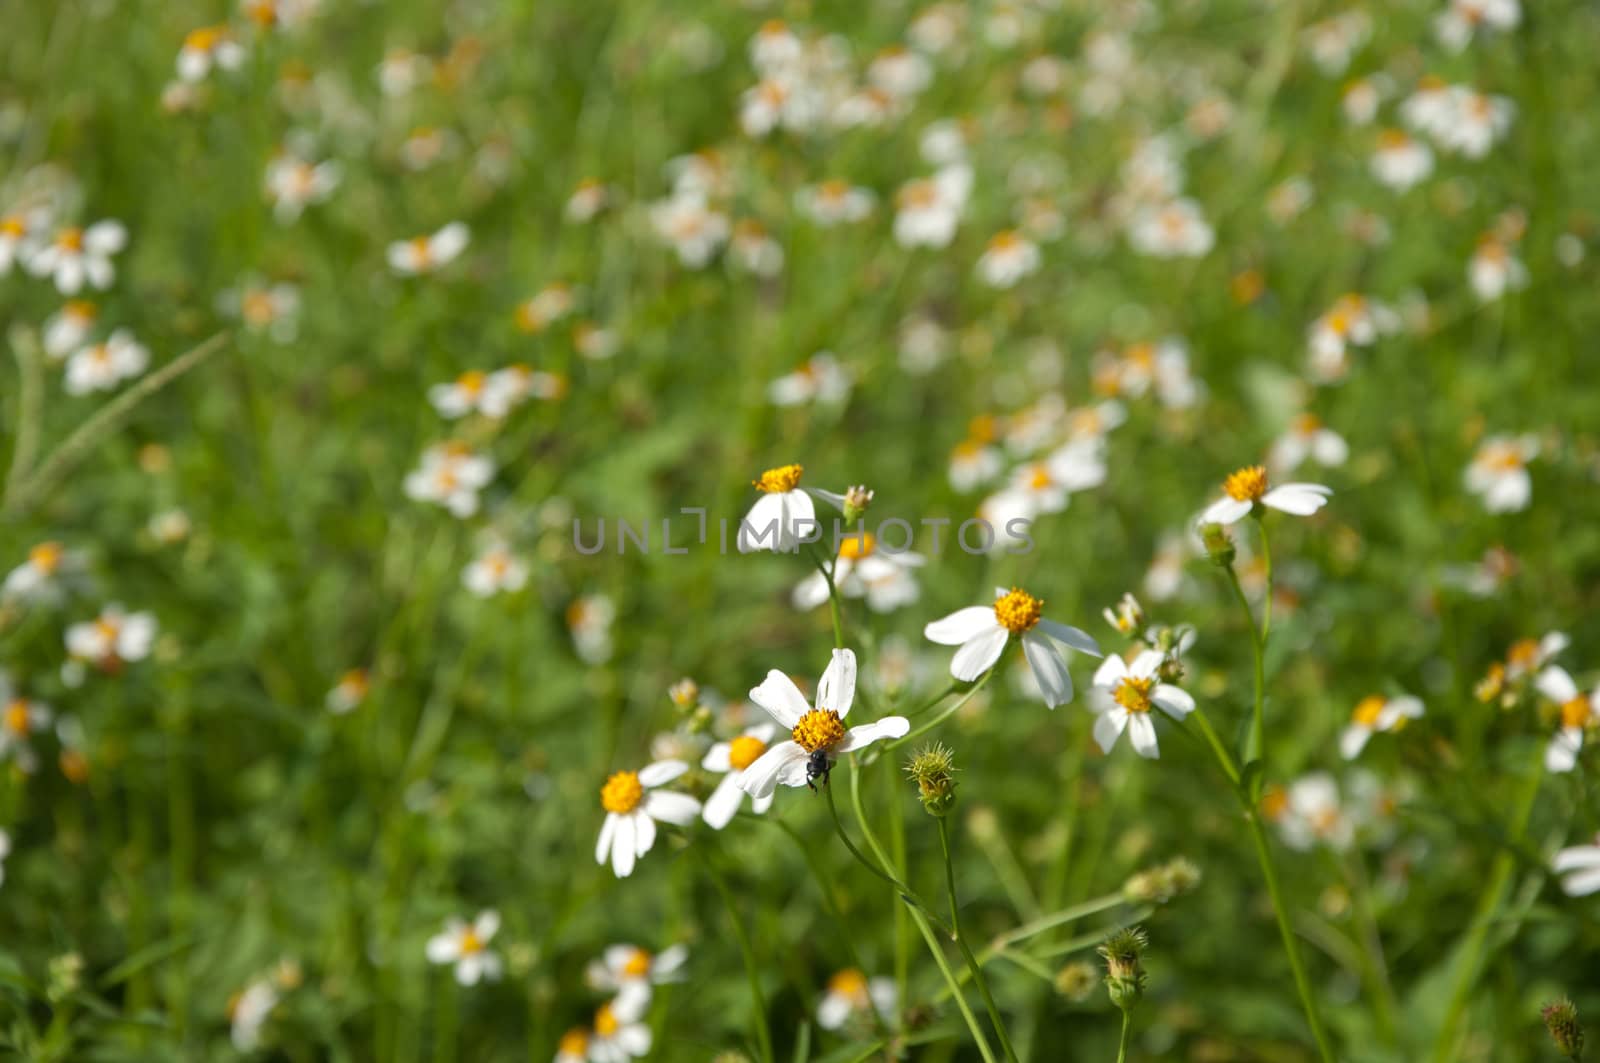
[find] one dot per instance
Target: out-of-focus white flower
(1173, 230)
(20, 234)
(1310, 812)
(1401, 161)
(67, 329)
(1009, 257)
(170, 526)
(1333, 41)
(494, 571)
(1360, 100)
(77, 255)
(1498, 472)
(587, 200)
(1494, 270)
(1122, 697)
(293, 183)
(885, 578)
(850, 993)
(833, 202)
(820, 379)
(900, 72)
(349, 692)
(270, 308)
(41, 575)
(113, 638)
(929, 209)
(425, 254)
(208, 47)
(753, 249)
(102, 366)
(546, 307)
(248, 1013)
(1373, 714)
(403, 70)
(450, 475)
(630, 972)
(1579, 868)
(1455, 25)
(20, 718)
(1579, 712)
(466, 946)
(589, 620)
(694, 230)
(1352, 321)
(1306, 437)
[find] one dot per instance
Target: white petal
(1298, 499)
(1555, 684)
(670, 807)
(1049, 670)
(443, 948)
(781, 698)
(1578, 856)
(622, 851)
(716, 758)
(868, 733)
(644, 827)
(662, 771)
(1175, 702)
(1142, 733)
(1112, 669)
(1225, 510)
(1353, 741)
(962, 626)
(1076, 638)
(1582, 884)
(487, 924)
(761, 778)
(763, 527)
(1144, 664)
(979, 654)
(1561, 755)
(1108, 726)
(608, 830)
(837, 687)
(723, 804)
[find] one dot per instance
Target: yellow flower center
(605, 1022)
(355, 682)
(744, 751)
(470, 942)
(919, 195)
(1134, 694)
(621, 793)
(422, 249)
(780, 480)
(1367, 710)
(16, 717)
(203, 39)
(849, 983)
(858, 546)
(257, 307)
(46, 557)
(818, 729)
(472, 381)
(1040, 479)
(638, 964)
(1005, 241)
(1307, 423)
(13, 227)
(1018, 610)
(1274, 802)
(1574, 713)
(1524, 653)
(1247, 484)
(574, 1042)
(70, 239)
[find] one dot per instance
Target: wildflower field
(761, 532)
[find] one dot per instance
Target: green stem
(906, 893)
(1291, 944)
(966, 950)
(833, 599)
(1256, 745)
(1122, 1043)
(954, 707)
(758, 1001)
(1470, 961)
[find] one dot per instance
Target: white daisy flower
(19, 237)
(1474, 122)
(77, 255)
(1455, 25)
(1578, 712)
(754, 250)
(589, 620)
(617, 1039)
(102, 366)
(207, 47)
(784, 512)
(1353, 320)
(466, 945)
(292, 184)
(1401, 161)
(273, 309)
(630, 972)
(1373, 714)
(39, 578)
(1122, 697)
(730, 759)
(1310, 812)
(547, 306)
(695, 231)
(1333, 41)
(1579, 866)
(929, 209)
(425, 254)
(20, 719)
(1172, 230)
(850, 993)
(886, 579)
(812, 730)
(114, 638)
(1307, 438)
(587, 200)
(899, 71)
(1360, 100)
(820, 379)
(1494, 270)
(1246, 488)
(1498, 472)
(983, 631)
(974, 463)
(495, 571)
(450, 475)
(349, 692)
(834, 202)
(1009, 257)
(68, 329)
(463, 395)
(633, 806)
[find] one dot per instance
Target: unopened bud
(856, 501)
(1075, 981)
(1561, 1019)
(685, 693)
(933, 769)
(1125, 975)
(1219, 545)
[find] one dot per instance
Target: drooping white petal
(761, 778)
(837, 687)
(716, 758)
(1225, 510)
(1561, 755)
(1299, 499)
(623, 854)
(1576, 857)
(1108, 726)
(781, 698)
(979, 654)
(644, 829)
(1353, 741)
(1049, 670)
(1076, 638)
(1556, 684)
(608, 829)
(670, 807)
(868, 733)
(962, 626)
(1582, 884)
(662, 771)
(1174, 701)
(1142, 733)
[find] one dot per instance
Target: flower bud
(1219, 545)
(933, 769)
(856, 501)
(1075, 981)
(1561, 1019)
(685, 693)
(1127, 616)
(65, 976)
(1125, 975)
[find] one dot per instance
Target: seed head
(856, 501)
(933, 769)
(1125, 975)
(1561, 1019)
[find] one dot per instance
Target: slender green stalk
(833, 598)
(1122, 1043)
(30, 405)
(906, 893)
(966, 950)
(757, 1000)
(953, 708)
(1256, 745)
(1470, 960)
(1291, 944)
